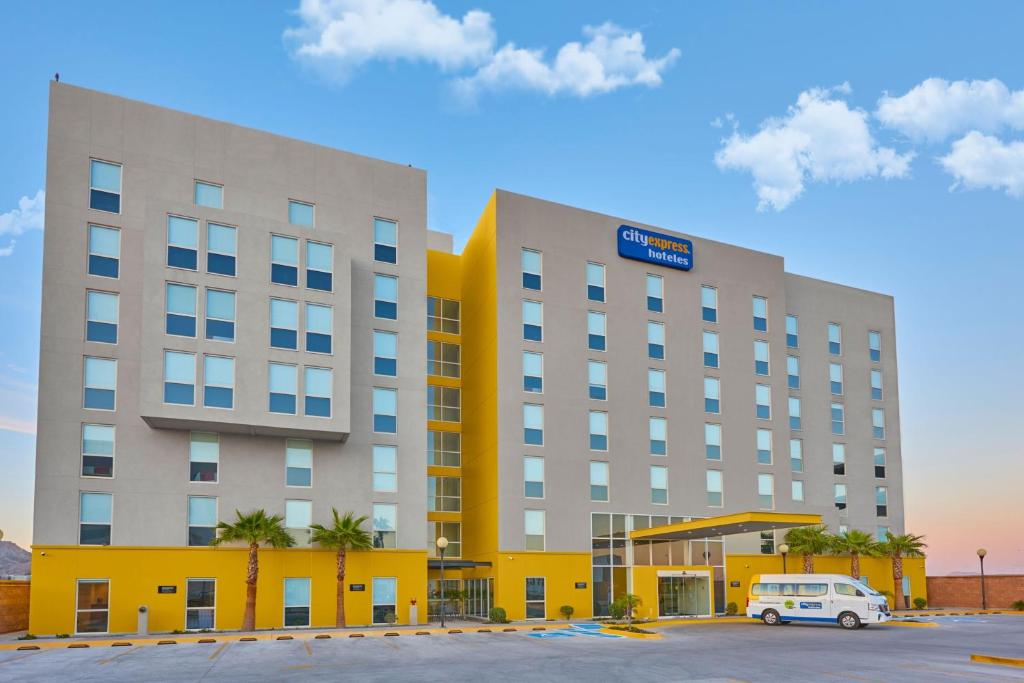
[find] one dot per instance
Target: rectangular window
(318, 384)
(595, 282)
(385, 240)
(531, 269)
(766, 491)
(599, 482)
(838, 419)
(209, 194)
(768, 542)
(598, 430)
(535, 597)
(881, 535)
(533, 320)
(760, 314)
(714, 488)
(835, 339)
(443, 315)
(104, 186)
(655, 293)
(835, 379)
(97, 450)
(796, 455)
(101, 315)
(533, 476)
(319, 266)
(761, 357)
(95, 514)
(659, 485)
(839, 491)
(104, 251)
(385, 297)
(298, 462)
(712, 395)
(92, 609)
(657, 429)
(182, 242)
(203, 457)
(878, 423)
(385, 410)
(881, 501)
(202, 520)
(839, 459)
(296, 602)
(763, 401)
(876, 385)
(444, 494)
(792, 332)
(301, 213)
(708, 304)
(284, 324)
(298, 516)
(793, 372)
(284, 260)
(220, 315)
(218, 382)
(597, 380)
(533, 424)
(879, 463)
(200, 604)
(794, 412)
(655, 340)
(100, 383)
(444, 403)
(533, 526)
(797, 491)
(385, 525)
(451, 531)
(444, 449)
(179, 378)
(283, 387)
(710, 349)
(712, 441)
(444, 359)
(385, 353)
(597, 325)
(221, 249)
(875, 346)
(656, 388)
(533, 372)
(319, 328)
(181, 310)
(385, 600)
(764, 446)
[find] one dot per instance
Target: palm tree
(253, 528)
(630, 602)
(898, 547)
(857, 544)
(346, 533)
(809, 541)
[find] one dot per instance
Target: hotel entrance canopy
(725, 525)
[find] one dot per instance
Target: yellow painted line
(216, 653)
(108, 660)
(309, 650)
(16, 658)
(298, 667)
(699, 622)
(628, 634)
(910, 624)
(1003, 661)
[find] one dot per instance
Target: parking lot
(705, 651)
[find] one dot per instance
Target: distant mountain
(14, 559)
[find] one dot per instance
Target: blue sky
(806, 130)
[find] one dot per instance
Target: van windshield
(864, 587)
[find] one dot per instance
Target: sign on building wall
(653, 247)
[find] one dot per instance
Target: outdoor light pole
(442, 543)
(784, 549)
(981, 558)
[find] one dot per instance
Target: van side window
(811, 589)
(847, 589)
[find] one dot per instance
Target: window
(385, 600)
(94, 518)
(710, 349)
(218, 382)
(835, 379)
(657, 428)
(200, 604)
(766, 491)
(444, 449)
(839, 459)
(876, 385)
(597, 379)
(659, 485)
(298, 462)
(533, 372)
(100, 383)
(712, 395)
(655, 293)
(451, 531)
(300, 213)
(793, 372)
(655, 340)
(599, 482)
(595, 282)
(714, 488)
(182, 242)
(764, 446)
(760, 357)
(220, 315)
(209, 194)
(598, 430)
(179, 378)
(97, 450)
(385, 297)
(385, 240)
(101, 317)
(104, 186)
(838, 419)
(596, 331)
(835, 339)
(797, 492)
(298, 516)
(319, 328)
(385, 407)
(284, 324)
(444, 403)
(878, 423)
(221, 248)
(283, 387)
(713, 441)
(881, 535)
(881, 501)
(533, 424)
(443, 315)
(656, 388)
(385, 353)
(92, 609)
(104, 251)
(533, 320)
(708, 304)
(202, 520)
(794, 412)
(768, 542)
(534, 529)
(296, 602)
(760, 314)
(839, 492)
(203, 457)
(181, 310)
(531, 269)
(444, 494)
(444, 359)
(319, 266)
(875, 346)
(796, 455)
(385, 525)
(763, 401)
(533, 476)
(284, 260)
(535, 603)
(318, 384)
(879, 463)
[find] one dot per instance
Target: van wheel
(770, 617)
(849, 620)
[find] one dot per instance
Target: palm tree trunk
(855, 565)
(340, 612)
(808, 563)
(897, 579)
(249, 618)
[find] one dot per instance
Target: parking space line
(309, 650)
(17, 657)
(1002, 661)
(216, 653)
(119, 655)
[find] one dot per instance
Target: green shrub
(919, 603)
(497, 615)
(27, 636)
(1018, 605)
(616, 610)
(566, 611)
(63, 635)
(732, 608)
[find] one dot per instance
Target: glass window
(655, 340)
(100, 382)
(533, 424)
(444, 403)
(598, 430)
(710, 349)
(202, 520)
(104, 186)
(657, 428)
(298, 462)
(181, 310)
(451, 531)
(876, 385)
(284, 324)
(875, 346)
(835, 339)
(319, 266)
(298, 515)
(656, 388)
(712, 395)
(221, 248)
(766, 491)
(595, 281)
(218, 382)
(881, 535)
(385, 600)
(534, 529)
(708, 304)
(200, 604)
(761, 357)
(764, 446)
(838, 419)
(104, 251)
(597, 379)
(179, 377)
(101, 314)
(835, 379)
(319, 386)
(840, 496)
(879, 463)
(797, 491)
(596, 331)
(659, 485)
(209, 194)
(599, 482)
(535, 597)
(300, 213)
(714, 488)
(533, 372)
(531, 269)
(533, 476)
(881, 501)
(385, 353)
(385, 407)
(319, 328)
(444, 449)
(878, 423)
(793, 372)
(283, 387)
(444, 359)
(760, 314)
(763, 401)
(97, 450)
(768, 542)
(385, 525)
(444, 494)
(220, 315)
(796, 455)
(712, 441)
(655, 293)
(296, 602)
(203, 457)
(443, 315)
(92, 609)
(385, 240)
(182, 242)
(792, 332)
(284, 260)
(95, 518)
(794, 412)
(839, 458)
(385, 297)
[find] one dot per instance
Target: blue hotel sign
(653, 247)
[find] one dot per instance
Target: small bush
(732, 608)
(27, 636)
(63, 635)
(616, 610)
(1018, 605)
(566, 611)
(919, 603)
(497, 615)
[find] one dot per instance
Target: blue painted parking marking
(585, 630)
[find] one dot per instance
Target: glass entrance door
(684, 596)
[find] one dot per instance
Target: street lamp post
(981, 559)
(784, 549)
(442, 543)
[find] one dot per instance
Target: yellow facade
(645, 586)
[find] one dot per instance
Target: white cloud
(28, 216)
(819, 140)
(937, 109)
(980, 161)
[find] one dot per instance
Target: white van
(830, 598)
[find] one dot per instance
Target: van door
(813, 602)
(845, 598)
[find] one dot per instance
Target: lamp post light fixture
(981, 559)
(442, 543)
(784, 549)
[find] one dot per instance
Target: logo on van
(653, 247)
(789, 604)
(810, 605)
